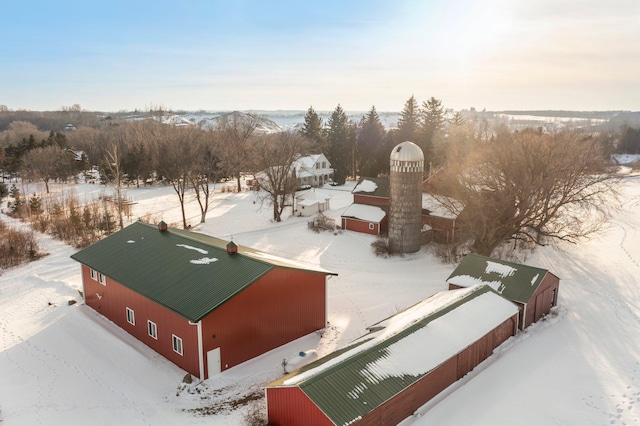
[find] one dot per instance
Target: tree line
(493, 174)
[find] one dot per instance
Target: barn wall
(112, 300)
(290, 406)
(482, 349)
(351, 224)
(415, 396)
(369, 200)
(282, 306)
(443, 228)
(543, 299)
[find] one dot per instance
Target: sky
(289, 55)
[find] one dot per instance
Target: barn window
(94, 274)
(102, 279)
(153, 329)
(131, 316)
(177, 344)
(371, 226)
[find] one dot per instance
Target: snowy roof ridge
(388, 328)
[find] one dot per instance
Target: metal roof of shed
(512, 280)
(399, 351)
(189, 273)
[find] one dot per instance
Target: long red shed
(404, 361)
(201, 302)
(534, 290)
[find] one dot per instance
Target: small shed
(534, 290)
(312, 202)
(203, 303)
(402, 363)
(371, 191)
(365, 218)
(439, 218)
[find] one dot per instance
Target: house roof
(399, 351)
(512, 280)
(364, 212)
(437, 208)
(312, 197)
(187, 272)
(374, 187)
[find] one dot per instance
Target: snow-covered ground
(62, 364)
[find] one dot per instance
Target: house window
(317, 165)
(94, 274)
(371, 226)
(324, 164)
(177, 344)
(152, 328)
(131, 316)
(102, 279)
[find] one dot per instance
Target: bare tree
(529, 187)
(274, 159)
(177, 155)
(234, 130)
(207, 171)
(112, 173)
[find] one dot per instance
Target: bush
(322, 223)
(381, 247)
(17, 247)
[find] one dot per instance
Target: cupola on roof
(407, 151)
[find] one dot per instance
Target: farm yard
(62, 363)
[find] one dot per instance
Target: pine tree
(409, 121)
(339, 149)
(312, 130)
(432, 119)
(370, 138)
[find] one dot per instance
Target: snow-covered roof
(375, 187)
(400, 350)
(312, 197)
(436, 208)
(364, 212)
(512, 280)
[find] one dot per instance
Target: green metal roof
(352, 382)
(382, 187)
(514, 281)
(190, 273)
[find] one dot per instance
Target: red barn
(534, 290)
(204, 304)
(368, 213)
(402, 363)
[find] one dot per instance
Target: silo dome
(407, 151)
(406, 165)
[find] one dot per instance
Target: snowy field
(62, 364)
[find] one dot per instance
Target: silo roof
(407, 151)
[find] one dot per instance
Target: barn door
(213, 361)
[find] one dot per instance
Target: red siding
(280, 307)
(357, 225)
(473, 355)
(544, 298)
(287, 406)
(372, 201)
(113, 299)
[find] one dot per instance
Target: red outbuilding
(403, 362)
(203, 303)
(534, 290)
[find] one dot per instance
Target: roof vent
(232, 247)
(162, 226)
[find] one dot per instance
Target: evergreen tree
(432, 119)
(312, 130)
(457, 120)
(339, 148)
(409, 121)
(370, 138)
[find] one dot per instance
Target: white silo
(405, 198)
